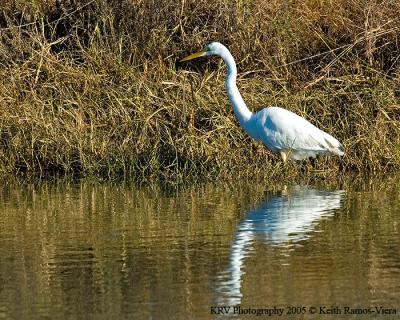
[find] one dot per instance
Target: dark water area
(119, 251)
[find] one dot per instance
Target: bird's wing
(281, 129)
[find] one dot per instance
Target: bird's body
(292, 136)
(281, 130)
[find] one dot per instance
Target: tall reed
(94, 87)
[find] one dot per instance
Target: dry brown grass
(94, 87)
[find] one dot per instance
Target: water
(116, 251)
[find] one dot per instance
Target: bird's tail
(334, 145)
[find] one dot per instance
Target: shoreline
(94, 89)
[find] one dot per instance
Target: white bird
(281, 130)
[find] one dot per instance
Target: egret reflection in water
(284, 219)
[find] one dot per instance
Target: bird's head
(212, 49)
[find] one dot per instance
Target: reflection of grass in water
(104, 243)
(95, 89)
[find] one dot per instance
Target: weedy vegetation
(95, 87)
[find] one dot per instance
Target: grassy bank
(94, 87)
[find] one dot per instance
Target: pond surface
(118, 251)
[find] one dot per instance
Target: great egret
(282, 131)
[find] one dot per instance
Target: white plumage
(281, 130)
(284, 131)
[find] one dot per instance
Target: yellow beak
(195, 55)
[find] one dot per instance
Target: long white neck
(242, 113)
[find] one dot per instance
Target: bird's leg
(284, 156)
(285, 190)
